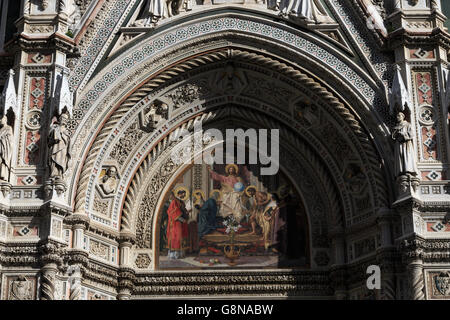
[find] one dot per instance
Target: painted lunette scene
(229, 216)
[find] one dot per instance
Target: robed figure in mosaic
(6, 135)
(232, 219)
(177, 226)
(59, 145)
(207, 215)
(231, 191)
(405, 162)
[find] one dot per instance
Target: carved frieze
(257, 284)
(153, 115)
(99, 249)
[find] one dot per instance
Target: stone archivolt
(319, 79)
(121, 111)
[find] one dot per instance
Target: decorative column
(51, 254)
(387, 254)
(75, 282)
(78, 256)
(41, 48)
(338, 269)
(126, 271)
(413, 252)
(416, 279)
(421, 46)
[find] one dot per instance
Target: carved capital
(77, 256)
(413, 249)
(51, 252)
(78, 220)
(127, 238)
(126, 278)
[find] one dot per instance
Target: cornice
(55, 41)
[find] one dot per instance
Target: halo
(216, 190)
(283, 191)
(194, 193)
(181, 188)
(236, 168)
(267, 198)
(250, 187)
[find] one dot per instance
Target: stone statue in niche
(155, 10)
(108, 183)
(309, 10)
(59, 146)
(154, 114)
(73, 13)
(21, 289)
(405, 161)
(6, 136)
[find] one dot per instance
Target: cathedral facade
(112, 110)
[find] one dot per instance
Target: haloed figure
(207, 215)
(177, 227)
(193, 220)
(109, 181)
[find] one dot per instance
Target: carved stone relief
(142, 261)
(438, 283)
(99, 249)
(101, 206)
(21, 288)
(307, 11)
(187, 94)
(153, 115)
(127, 142)
(108, 181)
